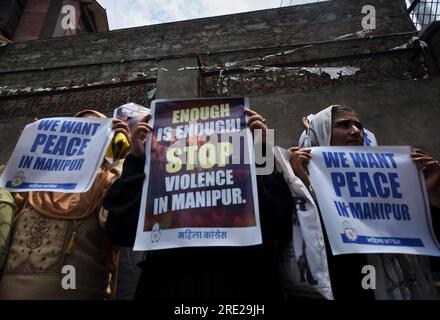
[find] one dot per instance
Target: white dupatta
(304, 269)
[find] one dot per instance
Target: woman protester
(201, 273)
(399, 276)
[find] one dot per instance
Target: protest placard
(372, 200)
(58, 154)
(200, 185)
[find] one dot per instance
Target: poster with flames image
(200, 183)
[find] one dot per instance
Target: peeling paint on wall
(334, 72)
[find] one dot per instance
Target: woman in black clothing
(205, 273)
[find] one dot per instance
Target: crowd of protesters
(94, 231)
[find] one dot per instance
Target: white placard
(372, 200)
(58, 154)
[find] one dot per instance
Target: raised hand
(299, 159)
(431, 171)
(256, 121)
(139, 136)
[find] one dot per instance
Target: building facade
(23, 20)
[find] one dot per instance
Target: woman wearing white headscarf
(399, 276)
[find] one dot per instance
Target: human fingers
(256, 118)
(300, 152)
(139, 138)
(293, 149)
(432, 165)
(304, 158)
(416, 155)
(422, 160)
(250, 112)
(299, 162)
(257, 125)
(426, 162)
(299, 157)
(121, 127)
(145, 119)
(142, 126)
(420, 151)
(303, 154)
(419, 157)
(296, 149)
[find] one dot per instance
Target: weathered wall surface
(399, 113)
(291, 61)
(288, 25)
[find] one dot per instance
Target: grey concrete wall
(132, 54)
(9, 133)
(172, 83)
(431, 34)
(288, 25)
